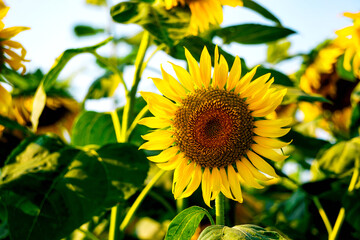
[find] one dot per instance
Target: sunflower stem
(341, 216)
(323, 215)
(220, 209)
(139, 199)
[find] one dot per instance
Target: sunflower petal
(245, 80)
(158, 105)
(184, 77)
(194, 183)
(173, 84)
(194, 68)
(220, 73)
(234, 75)
(165, 155)
(155, 122)
(255, 172)
(270, 142)
(261, 164)
(184, 179)
(277, 99)
(205, 67)
(215, 183)
(177, 173)
(165, 89)
(281, 122)
(172, 163)
(271, 131)
(234, 184)
(225, 186)
(268, 153)
(206, 186)
(256, 85)
(246, 175)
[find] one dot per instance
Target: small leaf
(277, 51)
(252, 33)
(355, 121)
(165, 25)
(295, 95)
(261, 10)
(104, 86)
(38, 106)
(342, 72)
(243, 232)
(184, 225)
(13, 125)
(84, 30)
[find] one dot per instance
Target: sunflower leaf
(49, 188)
(14, 125)
(261, 10)
(184, 225)
(85, 30)
(252, 33)
(295, 95)
(245, 231)
(165, 25)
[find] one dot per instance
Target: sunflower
(212, 130)
(7, 46)
(349, 39)
(203, 12)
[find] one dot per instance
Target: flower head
(7, 46)
(203, 12)
(211, 130)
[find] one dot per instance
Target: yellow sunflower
(211, 130)
(203, 12)
(349, 39)
(7, 46)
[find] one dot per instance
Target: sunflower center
(213, 128)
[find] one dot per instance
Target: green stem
(341, 216)
(137, 119)
(139, 199)
(220, 209)
(130, 96)
(88, 234)
(323, 215)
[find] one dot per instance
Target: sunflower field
(157, 123)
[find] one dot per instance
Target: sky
(52, 23)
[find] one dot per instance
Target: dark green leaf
(165, 25)
(355, 121)
(104, 86)
(261, 10)
(195, 45)
(183, 226)
(49, 189)
(84, 30)
(13, 125)
(279, 78)
(252, 33)
(295, 95)
(342, 72)
(351, 204)
(239, 232)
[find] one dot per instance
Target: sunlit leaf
(252, 33)
(277, 51)
(342, 72)
(341, 157)
(104, 86)
(38, 106)
(244, 232)
(165, 25)
(49, 189)
(261, 10)
(184, 225)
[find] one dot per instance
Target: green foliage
(239, 232)
(261, 10)
(43, 188)
(295, 95)
(13, 125)
(252, 33)
(277, 51)
(340, 158)
(165, 26)
(85, 30)
(184, 225)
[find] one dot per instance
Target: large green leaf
(239, 232)
(184, 225)
(165, 25)
(261, 10)
(49, 189)
(252, 33)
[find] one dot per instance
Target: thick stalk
(220, 209)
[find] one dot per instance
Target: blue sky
(52, 23)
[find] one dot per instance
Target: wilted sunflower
(203, 12)
(7, 46)
(212, 130)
